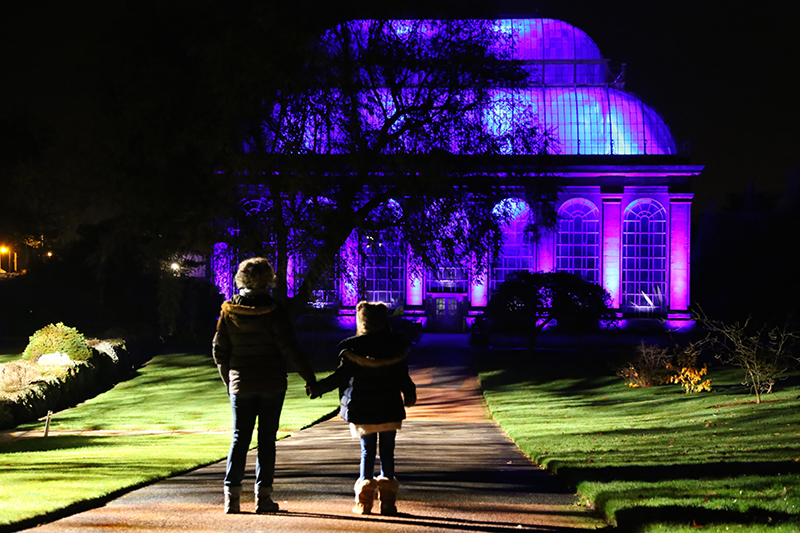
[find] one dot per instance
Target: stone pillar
(546, 252)
(414, 282)
(479, 285)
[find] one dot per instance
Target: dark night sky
(721, 74)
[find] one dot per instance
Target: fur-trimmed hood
(246, 312)
(241, 309)
(375, 350)
(372, 362)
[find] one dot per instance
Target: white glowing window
(383, 272)
(518, 252)
(644, 257)
(325, 294)
(578, 241)
(447, 279)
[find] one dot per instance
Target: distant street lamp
(4, 250)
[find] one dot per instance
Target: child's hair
(255, 273)
(371, 317)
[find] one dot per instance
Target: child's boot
(232, 497)
(264, 503)
(365, 495)
(387, 494)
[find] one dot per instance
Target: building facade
(624, 212)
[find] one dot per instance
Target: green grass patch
(8, 357)
(171, 393)
(655, 459)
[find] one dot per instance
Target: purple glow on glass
(539, 39)
(510, 208)
(612, 247)
(571, 94)
(596, 120)
(578, 247)
(517, 252)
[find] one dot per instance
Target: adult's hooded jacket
(254, 345)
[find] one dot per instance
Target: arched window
(578, 241)
(518, 252)
(644, 257)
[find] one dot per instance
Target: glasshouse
(621, 212)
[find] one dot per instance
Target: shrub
(527, 302)
(648, 368)
(57, 338)
(687, 373)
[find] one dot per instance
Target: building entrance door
(446, 313)
(446, 288)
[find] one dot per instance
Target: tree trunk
(281, 290)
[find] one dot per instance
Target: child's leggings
(369, 445)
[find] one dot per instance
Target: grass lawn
(172, 392)
(7, 357)
(654, 459)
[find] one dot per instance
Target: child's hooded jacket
(372, 378)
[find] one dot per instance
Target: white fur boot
(365, 495)
(387, 494)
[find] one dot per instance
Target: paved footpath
(458, 472)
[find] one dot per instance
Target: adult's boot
(264, 503)
(233, 496)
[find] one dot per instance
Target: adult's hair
(255, 273)
(372, 317)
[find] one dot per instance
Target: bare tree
(763, 353)
(373, 138)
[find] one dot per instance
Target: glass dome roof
(540, 39)
(573, 98)
(596, 120)
(570, 93)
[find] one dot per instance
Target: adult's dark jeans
(369, 447)
(246, 409)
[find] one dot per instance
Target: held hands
(312, 390)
